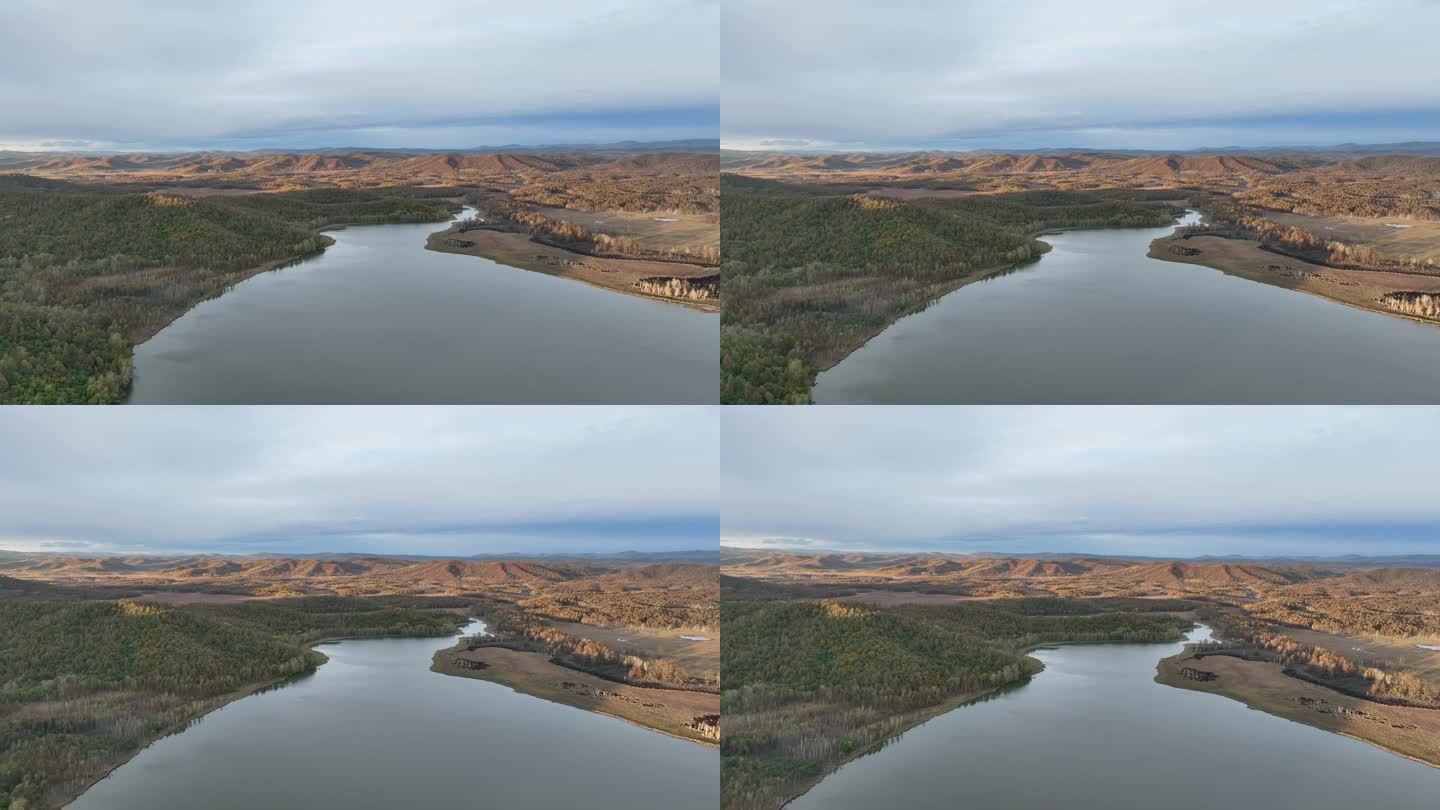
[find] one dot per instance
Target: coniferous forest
(86, 272)
(85, 684)
(810, 273)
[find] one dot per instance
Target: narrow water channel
(1095, 320)
(1093, 731)
(375, 729)
(377, 318)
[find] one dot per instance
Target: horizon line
(1034, 554)
(104, 554)
(874, 149)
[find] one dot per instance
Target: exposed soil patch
(621, 275)
(1408, 731)
(671, 711)
(1367, 289)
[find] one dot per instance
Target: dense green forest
(809, 275)
(1057, 606)
(84, 684)
(809, 683)
(86, 272)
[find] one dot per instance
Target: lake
(1095, 732)
(375, 728)
(377, 318)
(1095, 320)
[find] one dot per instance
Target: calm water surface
(1095, 732)
(375, 728)
(377, 318)
(1097, 321)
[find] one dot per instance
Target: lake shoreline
(917, 718)
(935, 293)
(277, 264)
(529, 680)
(940, 291)
(519, 251)
(138, 339)
(214, 705)
(1245, 259)
(960, 701)
(1260, 686)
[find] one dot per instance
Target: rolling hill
(269, 575)
(1062, 575)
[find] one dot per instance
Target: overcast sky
(178, 74)
(967, 74)
(1155, 481)
(424, 480)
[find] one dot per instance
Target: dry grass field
(1417, 238)
(662, 231)
(700, 652)
(1403, 654)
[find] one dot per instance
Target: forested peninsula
(811, 272)
(87, 272)
(812, 684)
(86, 683)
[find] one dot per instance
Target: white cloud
(1067, 477)
(171, 70)
(456, 479)
(849, 70)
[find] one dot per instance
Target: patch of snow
(1392, 225)
(1431, 647)
(695, 638)
(672, 219)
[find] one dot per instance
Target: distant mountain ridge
(991, 575)
(1420, 148)
(730, 553)
(400, 163)
(629, 555)
(1069, 169)
(357, 574)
